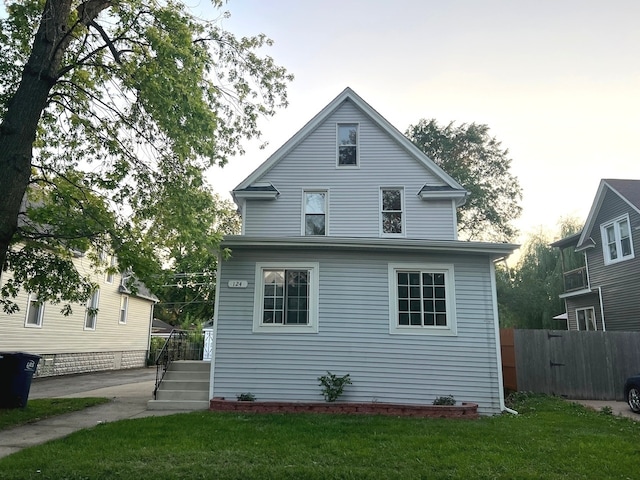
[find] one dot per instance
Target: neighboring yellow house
(115, 336)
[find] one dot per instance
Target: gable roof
(627, 190)
(349, 95)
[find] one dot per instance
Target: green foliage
(41, 408)
(246, 397)
(528, 293)
(142, 99)
(445, 400)
(333, 386)
(479, 163)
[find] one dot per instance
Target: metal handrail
(178, 346)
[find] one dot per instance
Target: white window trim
(595, 319)
(126, 309)
(605, 243)
(314, 290)
(303, 226)
(31, 298)
(86, 312)
(108, 277)
(451, 329)
(357, 165)
(403, 211)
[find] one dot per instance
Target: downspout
(215, 327)
(496, 325)
(604, 326)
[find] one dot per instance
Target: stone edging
(464, 410)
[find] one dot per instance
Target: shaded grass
(550, 439)
(40, 409)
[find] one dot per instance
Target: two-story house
(349, 262)
(604, 293)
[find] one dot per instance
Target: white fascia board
(459, 196)
(495, 250)
(593, 212)
(577, 293)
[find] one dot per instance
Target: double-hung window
(347, 145)
(422, 299)
(617, 241)
(586, 318)
(315, 213)
(35, 312)
(124, 308)
(391, 212)
(91, 316)
(286, 298)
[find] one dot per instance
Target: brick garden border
(464, 410)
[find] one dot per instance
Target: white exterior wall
(67, 347)
(354, 205)
(354, 336)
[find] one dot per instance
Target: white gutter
(215, 326)
(496, 324)
(604, 326)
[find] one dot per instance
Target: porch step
(185, 386)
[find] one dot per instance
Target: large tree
(479, 163)
(105, 106)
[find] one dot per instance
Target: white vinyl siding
(353, 335)
(35, 312)
(354, 193)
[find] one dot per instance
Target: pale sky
(557, 82)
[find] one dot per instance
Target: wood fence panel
(508, 354)
(577, 365)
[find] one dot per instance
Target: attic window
(348, 145)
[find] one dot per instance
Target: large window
(421, 298)
(286, 298)
(616, 240)
(347, 144)
(35, 312)
(315, 213)
(391, 216)
(586, 318)
(91, 316)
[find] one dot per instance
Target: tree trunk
(19, 125)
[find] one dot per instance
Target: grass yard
(40, 409)
(551, 439)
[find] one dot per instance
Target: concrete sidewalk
(129, 391)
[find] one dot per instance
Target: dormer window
(347, 145)
(617, 242)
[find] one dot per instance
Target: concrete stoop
(185, 386)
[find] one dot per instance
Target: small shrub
(246, 397)
(333, 386)
(606, 410)
(446, 400)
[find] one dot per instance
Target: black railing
(575, 279)
(181, 345)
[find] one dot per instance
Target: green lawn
(551, 439)
(43, 408)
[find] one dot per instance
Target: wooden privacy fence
(572, 364)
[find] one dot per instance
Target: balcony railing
(575, 279)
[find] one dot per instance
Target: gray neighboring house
(349, 262)
(604, 293)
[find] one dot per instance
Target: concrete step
(186, 375)
(182, 395)
(190, 365)
(180, 405)
(202, 385)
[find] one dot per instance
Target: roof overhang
(494, 250)
(256, 191)
(577, 293)
(443, 193)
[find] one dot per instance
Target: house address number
(237, 284)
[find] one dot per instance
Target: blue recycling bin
(16, 372)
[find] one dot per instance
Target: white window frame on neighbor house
(325, 211)
(589, 320)
(384, 211)
(32, 303)
(91, 318)
(348, 145)
(450, 329)
(109, 275)
(313, 278)
(124, 309)
(616, 226)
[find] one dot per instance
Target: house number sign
(237, 284)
